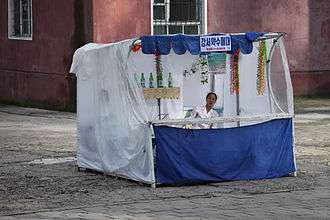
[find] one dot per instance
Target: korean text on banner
(215, 43)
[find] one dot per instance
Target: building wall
(306, 22)
(35, 72)
(116, 20)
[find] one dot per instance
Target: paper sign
(216, 62)
(161, 93)
(215, 43)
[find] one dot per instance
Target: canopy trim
(180, 43)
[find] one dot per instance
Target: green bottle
(170, 80)
(142, 81)
(151, 81)
(160, 80)
(136, 78)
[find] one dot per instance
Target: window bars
(20, 18)
(177, 16)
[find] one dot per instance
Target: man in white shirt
(206, 111)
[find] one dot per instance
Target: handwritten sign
(215, 43)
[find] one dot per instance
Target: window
(20, 19)
(178, 16)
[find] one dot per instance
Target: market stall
(136, 90)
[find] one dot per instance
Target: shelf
(161, 93)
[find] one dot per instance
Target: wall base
(42, 90)
(311, 83)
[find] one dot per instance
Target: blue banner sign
(215, 43)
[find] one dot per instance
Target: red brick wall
(311, 83)
(33, 72)
(116, 20)
(306, 22)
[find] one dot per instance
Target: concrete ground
(39, 177)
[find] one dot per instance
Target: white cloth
(200, 112)
(113, 134)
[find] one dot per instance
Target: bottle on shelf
(142, 81)
(170, 80)
(136, 78)
(160, 80)
(151, 81)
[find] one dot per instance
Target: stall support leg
(152, 159)
(294, 149)
(238, 111)
(212, 82)
(159, 110)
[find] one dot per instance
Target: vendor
(206, 111)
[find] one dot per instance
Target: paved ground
(39, 178)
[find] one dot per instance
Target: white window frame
(11, 22)
(202, 28)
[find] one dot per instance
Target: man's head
(211, 99)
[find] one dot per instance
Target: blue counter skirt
(186, 156)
